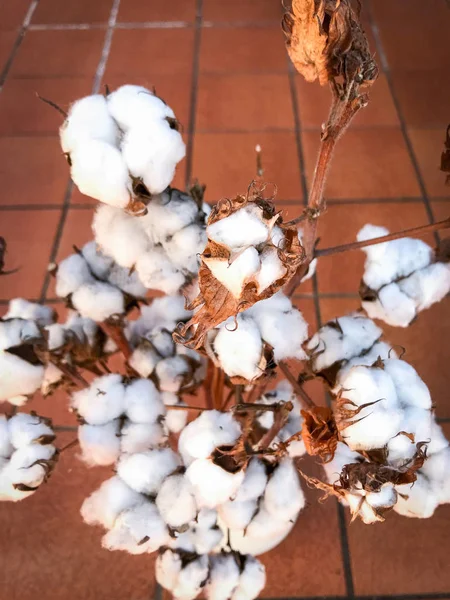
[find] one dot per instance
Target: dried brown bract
(319, 432)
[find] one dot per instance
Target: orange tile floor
(221, 64)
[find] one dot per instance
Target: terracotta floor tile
(314, 105)
(29, 235)
(72, 11)
(423, 97)
(413, 11)
(12, 13)
(241, 10)
(428, 145)
(341, 273)
(157, 10)
(45, 544)
(369, 163)
(21, 112)
(226, 162)
(32, 171)
(244, 102)
(155, 51)
(254, 50)
(59, 53)
(7, 40)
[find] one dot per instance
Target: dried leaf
(319, 432)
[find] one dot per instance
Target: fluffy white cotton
(391, 306)
(203, 535)
(207, 432)
(102, 402)
(167, 311)
(19, 308)
(145, 471)
(239, 347)
(6, 447)
(243, 228)
(284, 498)
(137, 530)
(133, 106)
(184, 247)
(223, 577)
(83, 328)
(99, 264)
(88, 119)
(143, 359)
(237, 515)
(72, 273)
(139, 437)
(25, 469)
(24, 429)
(99, 170)
(167, 568)
(427, 286)
(254, 482)
(342, 339)
(191, 579)
(100, 444)
(176, 502)
(175, 419)
(143, 402)
(98, 301)
(251, 581)
(271, 269)
(18, 378)
(411, 390)
(156, 272)
(167, 214)
(127, 281)
(417, 499)
(212, 485)
(234, 274)
(104, 505)
(172, 373)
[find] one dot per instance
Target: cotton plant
(180, 322)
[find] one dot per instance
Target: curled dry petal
(319, 432)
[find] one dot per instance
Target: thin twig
(114, 330)
(227, 401)
(53, 105)
(69, 445)
(421, 230)
(298, 389)
(185, 407)
(280, 416)
(70, 372)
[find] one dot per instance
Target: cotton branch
(113, 328)
(298, 389)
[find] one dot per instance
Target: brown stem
(281, 415)
(227, 400)
(185, 407)
(113, 328)
(421, 230)
(208, 383)
(69, 445)
(298, 389)
(70, 372)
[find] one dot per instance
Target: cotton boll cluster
(240, 342)
(19, 308)
(27, 455)
(182, 576)
(162, 246)
(401, 278)
(121, 143)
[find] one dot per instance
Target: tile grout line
(66, 203)
(154, 25)
(194, 92)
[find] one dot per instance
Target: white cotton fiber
(25, 468)
(98, 301)
(100, 444)
(239, 347)
(411, 390)
(234, 274)
(143, 359)
(254, 482)
(88, 119)
(145, 471)
(272, 269)
(104, 505)
(223, 577)
(212, 485)
(417, 499)
(143, 403)
(176, 502)
(134, 106)
(392, 306)
(167, 214)
(167, 569)
(184, 247)
(251, 581)
(19, 308)
(243, 228)
(236, 514)
(139, 437)
(72, 273)
(99, 264)
(284, 498)
(103, 401)
(156, 272)
(6, 447)
(175, 420)
(427, 286)
(18, 378)
(171, 373)
(127, 281)
(24, 429)
(191, 579)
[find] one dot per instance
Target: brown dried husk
(319, 432)
(215, 303)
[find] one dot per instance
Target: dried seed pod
(319, 432)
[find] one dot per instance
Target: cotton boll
(162, 341)
(19, 308)
(223, 577)
(143, 359)
(157, 272)
(98, 301)
(145, 471)
(175, 420)
(15, 331)
(139, 437)
(100, 444)
(120, 235)
(99, 171)
(171, 373)
(417, 499)
(276, 303)
(438, 440)
(6, 447)
(183, 248)
(437, 469)
(212, 485)
(401, 448)
(343, 456)
(380, 350)
(284, 331)
(83, 328)
(133, 106)
(137, 530)
(167, 569)
(72, 273)
(254, 482)
(18, 378)
(427, 286)
(168, 310)
(99, 263)
(191, 579)
(56, 336)
(272, 269)
(252, 580)
(411, 390)
(143, 402)
(25, 429)
(168, 213)
(204, 535)
(392, 306)
(25, 465)
(210, 430)
(385, 498)
(264, 524)
(243, 228)
(234, 274)
(104, 505)
(176, 502)
(236, 514)
(88, 119)
(239, 348)
(126, 281)
(103, 401)
(284, 497)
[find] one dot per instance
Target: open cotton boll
(143, 403)
(204, 535)
(126, 281)
(271, 270)
(236, 514)
(342, 339)
(99, 263)
(411, 390)
(392, 306)
(437, 470)
(137, 530)
(105, 504)
(223, 577)
(251, 581)
(401, 448)
(14, 332)
(183, 248)
(175, 420)
(276, 303)
(103, 401)
(56, 336)
(72, 273)
(168, 213)
(168, 310)
(212, 485)
(417, 499)
(390, 260)
(24, 465)
(254, 482)
(264, 524)
(284, 498)
(171, 373)
(239, 347)
(99, 171)
(380, 350)
(210, 430)
(6, 447)
(284, 331)
(176, 502)
(83, 328)
(19, 308)
(162, 341)
(191, 579)
(143, 359)
(88, 119)
(145, 471)
(156, 272)
(120, 235)
(136, 106)
(167, 568)
(243, 228)
(100, 444)
(385, 498)
(18, 378)
(98, 301)
(24, 429)
(235, 273)
(427, 286)
(139, 437)
(343, 456)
